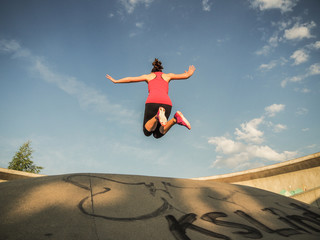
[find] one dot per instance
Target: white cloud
(268, 66)
(268, 153)
(139, 24)
(299, 56)
(130, 5)
(302, 111)
(284, 32)
(206, 6)
(273, 42)
(245, 155)
(315, 45)
(133, 34)
(226, 146)
(249, 131)
(282, 5)
(273, 109)
(298, 31)
(279, 128)
(313, 146)
(9, 46)
(314, 69)
(272, 64)
(289, 30)
(291, 79)
(13, 47)
(303, 90)
(247, 151)
(222, 40)
(235, 161)
(86, 96)
(136, 32)
(282, 25)
(265, 50)
(284, 82)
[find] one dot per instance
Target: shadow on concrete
(316, 203)
(104, 206)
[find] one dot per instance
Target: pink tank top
(158, 90)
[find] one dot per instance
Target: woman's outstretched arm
(185, 75)
(141, 78)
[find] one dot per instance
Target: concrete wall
(8, 174)
(288, 184)
(298, 178)
(310, 196)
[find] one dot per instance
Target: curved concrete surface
(8, 174)
(124, 207)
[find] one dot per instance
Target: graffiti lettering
(250, 231)
(178, 227)
(283, 232)
(306, 212)
(301, 220)
(283, 219)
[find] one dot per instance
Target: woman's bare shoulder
(166, 76)
(150, 76)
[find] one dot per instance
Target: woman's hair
(157, 66)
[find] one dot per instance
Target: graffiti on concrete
(297, 218)
(289, 193)
(297, 224)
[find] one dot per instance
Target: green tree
(22, 160)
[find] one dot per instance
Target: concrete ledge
(294, 165)
(8, 174)
(286, 178)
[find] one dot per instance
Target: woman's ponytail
(157, 65)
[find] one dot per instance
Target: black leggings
(151, 109)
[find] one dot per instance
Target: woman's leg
(152, 124)
(149, 119)
(155, 115)
(179, 119)
(160, 117)
(166, 128)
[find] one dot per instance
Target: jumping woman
(158, 104)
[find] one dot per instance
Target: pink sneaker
(161, 116)
(181, 120)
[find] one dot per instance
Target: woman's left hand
(191, 70)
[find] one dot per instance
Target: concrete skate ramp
(124, 207)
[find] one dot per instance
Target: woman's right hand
(111, 78)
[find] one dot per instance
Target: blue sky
(253, 100)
